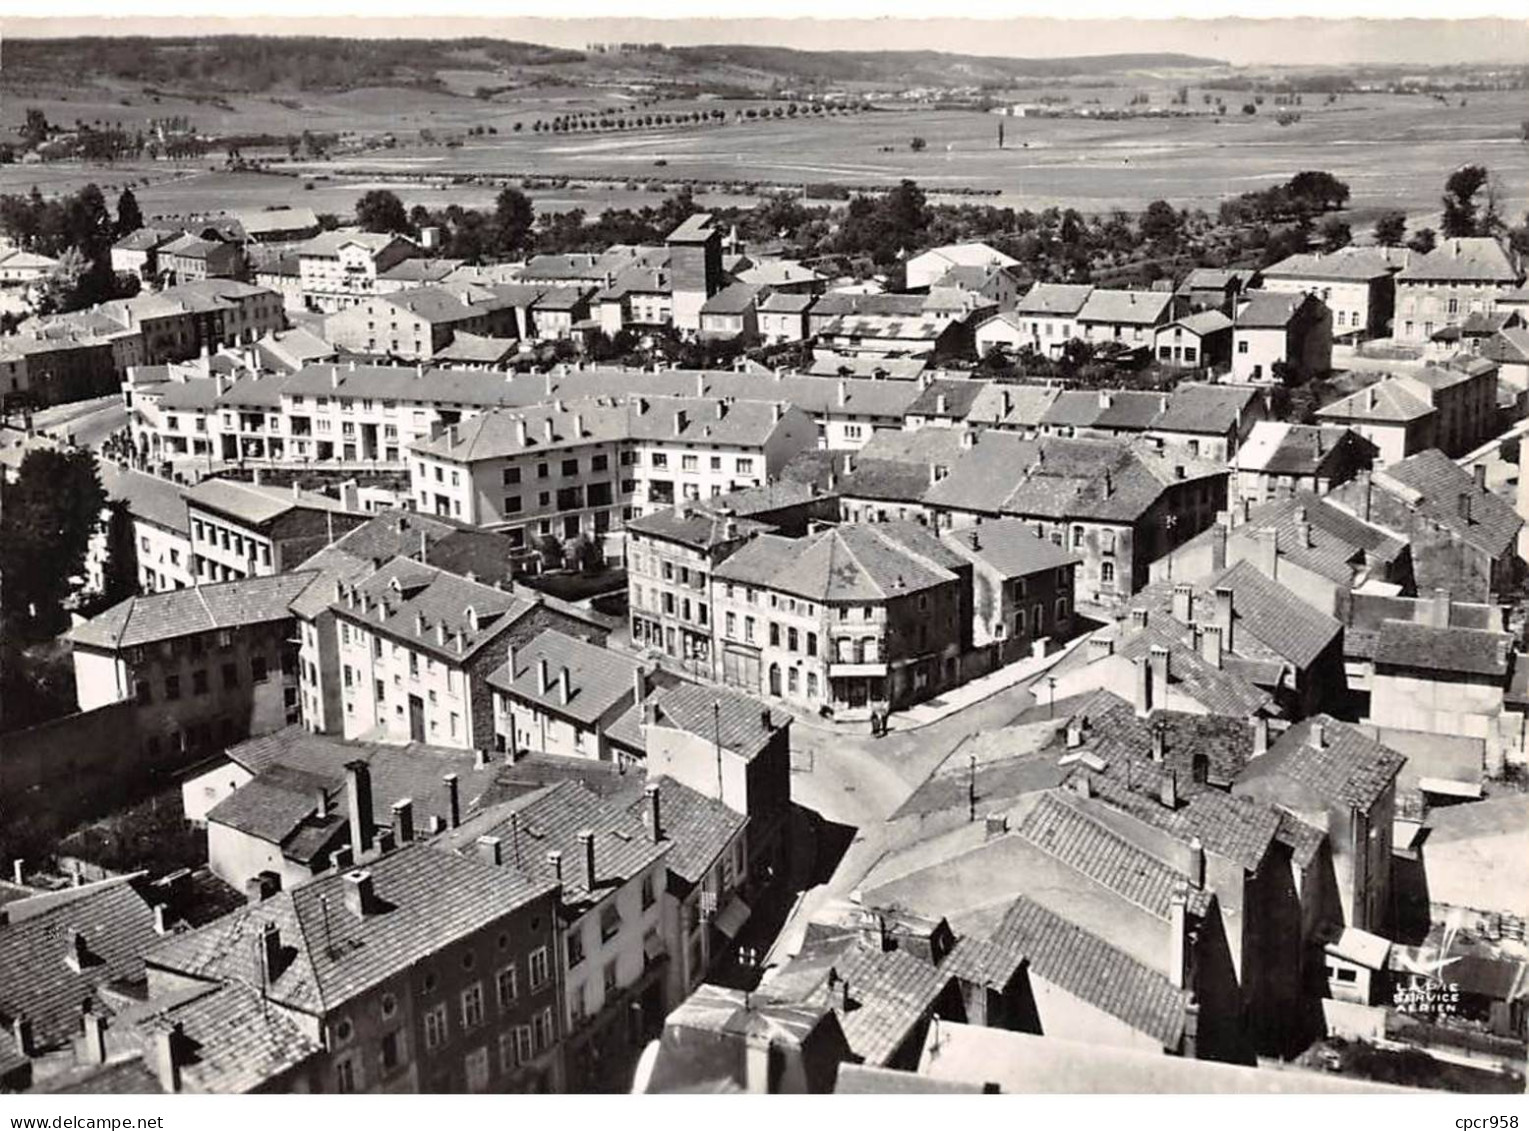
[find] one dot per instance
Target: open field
(1393, 150)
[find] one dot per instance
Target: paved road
(90, 422)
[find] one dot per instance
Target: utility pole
(716, 734)
(971, 787)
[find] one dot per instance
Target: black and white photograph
(850, 549)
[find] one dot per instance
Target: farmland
(1393, 149)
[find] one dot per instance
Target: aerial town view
(660, 556)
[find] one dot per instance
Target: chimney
(270, 952)
(1159, 742)
(359, 778)
(578, 425)
(1268, 554)
(555, 862)
(167, 1052)
(1168, 792)
(21, 1034)
(1104, 398)
(1138, 619)
(491, 850)
(94, 1027)
(1075, 732)
(548, 432)
(1439, 609)
(403, 820)
(587, 839)
(1225, 597)
(543, 676)
(453, 804)
(521, 435)
(843, 393)
(756, 1064)
(161, 921)
(1463, 505)
(1479, 474)
(1109, 485)
(940, 404)
(360, 897)
(1159, 695)
(655, 813)
(564, 686)
(1364, 496)
(1372, 399)
(1318, 735)
(18, 875)
(1178, 936)
(1260, 736)
(343, 858)
(1303, 535)
(1183, 603)
(321, 804)
(1196, 863)
(1143, 696)
(639, 685)
(1211, 644)
(78, 955)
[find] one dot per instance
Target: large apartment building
(1460, 277)
(339, 269)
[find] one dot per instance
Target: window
(647, 892)
(172, 687)
(690, 463)
(392, 1050)
(610, 922)
(812, 644)
(660, 459)
(774, 635)
(745, 466)
(258, 669)
(472, 1005)
(435, 1026)
(538, 968)
(1242, 346)
(507, 1050)
(145, 696)
(732, 627)
(570, 467)
(1107, 573)
(476, 1065)
(543, 1022)
(523, 1048)
(575, 948)
(505, 982)
(347, 1074)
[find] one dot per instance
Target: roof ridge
(839, 540)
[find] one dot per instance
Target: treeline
(78, 230)
(257, 63)
(1298, 200)
(611, 119)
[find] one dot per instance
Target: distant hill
(260, 64)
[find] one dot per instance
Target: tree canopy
(50, 513)
(381, 211)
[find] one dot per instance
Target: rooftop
(854, 563)
(1347, 768)
(599, 679)
(1464, 259)
(180, 612)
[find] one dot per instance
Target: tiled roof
(1276, 617)
(1089, 968)
(238, 1042)
(1303, 840)
(890, 994)
(129, 1077)
(328, 244)
(1131, 308)
(1388, 400)
(701, 526)
(1350, 768)
(550, 820)
(1125, 410)
(734, 299)
(1221, 691)
(957, 396)
(429, 608)
(826, 363)
(180, 612)
(743, 725)
(1464, 259)
(853, 563)
(273, 803)
(148, 497)
(1439, 482)
(426, 899)
(1269, 310)
(1061, 828)
(39, 984)
(256, 504)
(763, 499)
(476, 348)
(1203, 322)
(698, 828)
(1206, 409)
(599, 679)
(1280, 448)
(1463, 651)
(1009, 546)
(887, 480)
(1350, 264)
(1059, 299)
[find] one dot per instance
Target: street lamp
(1050, 696)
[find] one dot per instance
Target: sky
(876, 25)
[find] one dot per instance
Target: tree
(129, 216)
(1422, 241)
(1160, 224)
(120, 576)
(50, 513)
(917, 145)
(34, 131)
(1391, 228)
(551, 551)
(1321, 191)
(1335, 234)
(381, 211)
(1460, 200)
(582, 553)
(514, 216)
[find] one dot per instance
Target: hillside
(260, 65)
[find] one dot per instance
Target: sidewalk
(958, 699)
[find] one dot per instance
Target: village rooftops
(1459, 651)
(1389, 400)
(696, 228)
(69, 954)
(846, 564)
(1123, 410)
(1054, 299)
(837, 304)
(257, 505)
(783, 302)
(598, 679)
(1465, 259)
(1204, 322)
(258, 222)
(1432, 485)
(1347, 265)
(146, 239)
(1276, 447)
(153, 617)
(473, 349)
(1336, 760)
(192, 247)
(422, 900)
(421, 271)
(1010, 547)
(699, 828)
(738, 723)
(327, 245)
(947, 399)
(1130, 308)
(733, 299)
(779, 273)
(551, 820)
(1213, 410)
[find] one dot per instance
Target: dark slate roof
(1350, 769)
(599, 679)
(886, 480)
(129, 1077)
(855, 563)
(1010, 547)
(890, 994)
(1221, 691)
(1493, 524)
(148, 497)
(1112, 729)
(40, 985)
(239, 1042)
(1269, 310)
(181, 612)
(1303, 840)
(699, 525)
(273, 803)
(698, 828)
(744, 726)
(1473, 259)
(1206, 409)
(427, 900)
(958, 395)
(1089, 968)
(1464, 651)
(550, 820)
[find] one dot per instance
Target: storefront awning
(732, 917)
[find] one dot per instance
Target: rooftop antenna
(716, 735)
